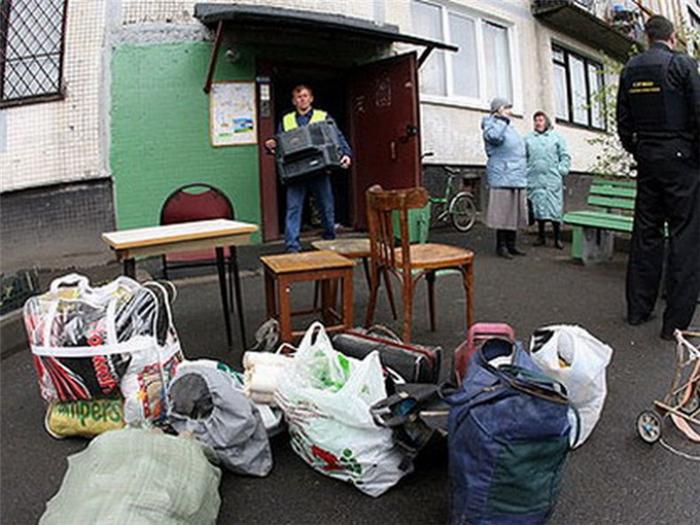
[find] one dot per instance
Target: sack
(417, 415)
(137, 476)
(326, 399)
(91, 343)
(477, 335)
(414, 363)
(85, 418)
(574, 357)
(508, 440)
(210, 404)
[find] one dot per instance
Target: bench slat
(621, 183)
(611, 202)
(597, 219)
(611, 191)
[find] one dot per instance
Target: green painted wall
(160, 131)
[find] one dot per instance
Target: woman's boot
(540, 234)
(502, 244)
(556, 227)
(511, 236)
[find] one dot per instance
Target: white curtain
(497, 53)
(427, 22)
(465, 70)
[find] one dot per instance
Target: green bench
(594, 229)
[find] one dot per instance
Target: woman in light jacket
(506, 173)
(548, 162)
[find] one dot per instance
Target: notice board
(232, 114)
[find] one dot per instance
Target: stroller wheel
(649, 426)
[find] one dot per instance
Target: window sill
(436, 100)
(583, 127)
(38, 99)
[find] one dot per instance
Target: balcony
(611, 27)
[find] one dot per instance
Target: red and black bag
(414, 363)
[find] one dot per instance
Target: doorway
(330, 95)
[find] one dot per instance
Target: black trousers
(668, 191)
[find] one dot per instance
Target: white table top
(173, 233)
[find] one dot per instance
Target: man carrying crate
(319, 185)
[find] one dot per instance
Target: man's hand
(271, 145)
(345, 162)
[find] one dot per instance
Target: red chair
(196, 202)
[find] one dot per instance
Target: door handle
(411, 131)
(392, 149)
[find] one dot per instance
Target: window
(31, 50)
(578, 82)
(480, 70)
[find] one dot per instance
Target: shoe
(666, 336)
(558, 244)
(516, 251)
(636, 320)
(539, 242)
(502, 252)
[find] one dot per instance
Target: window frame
(587, 63)
(479, 19)
(60, 93)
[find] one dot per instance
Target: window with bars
(578, 81)
(31, 50)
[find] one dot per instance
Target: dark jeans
(668, 190)
(296, 193)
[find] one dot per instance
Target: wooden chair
(409, 262)
(196, 202)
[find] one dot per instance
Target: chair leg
(165, 268)
(390, 293)
(235, 282)
(468, 282)
(221, 266)
(408, 288)
(430, 279)
(373, 290)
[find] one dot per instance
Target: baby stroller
(682, 401)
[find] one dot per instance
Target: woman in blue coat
(548, 162)
(506, 173)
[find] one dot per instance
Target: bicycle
(458, 207)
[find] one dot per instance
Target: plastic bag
(209, 403)
(91, 343)
(326, 399)
(572, 356)
(138, 476)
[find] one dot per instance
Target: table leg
(328, 300)
(130, 268)
(270, 301)
(348, 313)
(221, 267)
(285, 309)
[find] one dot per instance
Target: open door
(384, 118)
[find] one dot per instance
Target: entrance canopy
(263, 18)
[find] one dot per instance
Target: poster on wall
(232, 114)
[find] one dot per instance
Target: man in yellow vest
(320, 186)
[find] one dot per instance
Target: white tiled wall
(59, 141)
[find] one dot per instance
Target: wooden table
(355, 248)
(183, 237)
(281, 271)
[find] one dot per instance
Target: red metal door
(384, 122)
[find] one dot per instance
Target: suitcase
(414, 363)
(478, 334)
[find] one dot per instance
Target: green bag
(137, 477)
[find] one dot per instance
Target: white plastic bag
(571, 355)
(326, 399)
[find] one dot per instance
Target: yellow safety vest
(289, 121)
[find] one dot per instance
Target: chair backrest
(196, 202)
(381, 205)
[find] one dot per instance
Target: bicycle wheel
(436, 211)
(463, 211)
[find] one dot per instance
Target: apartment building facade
(109, 105)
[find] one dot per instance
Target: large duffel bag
(414, 363)
(508, 440)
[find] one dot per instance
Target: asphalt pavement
(614, 478)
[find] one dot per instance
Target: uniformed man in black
(658, 113)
